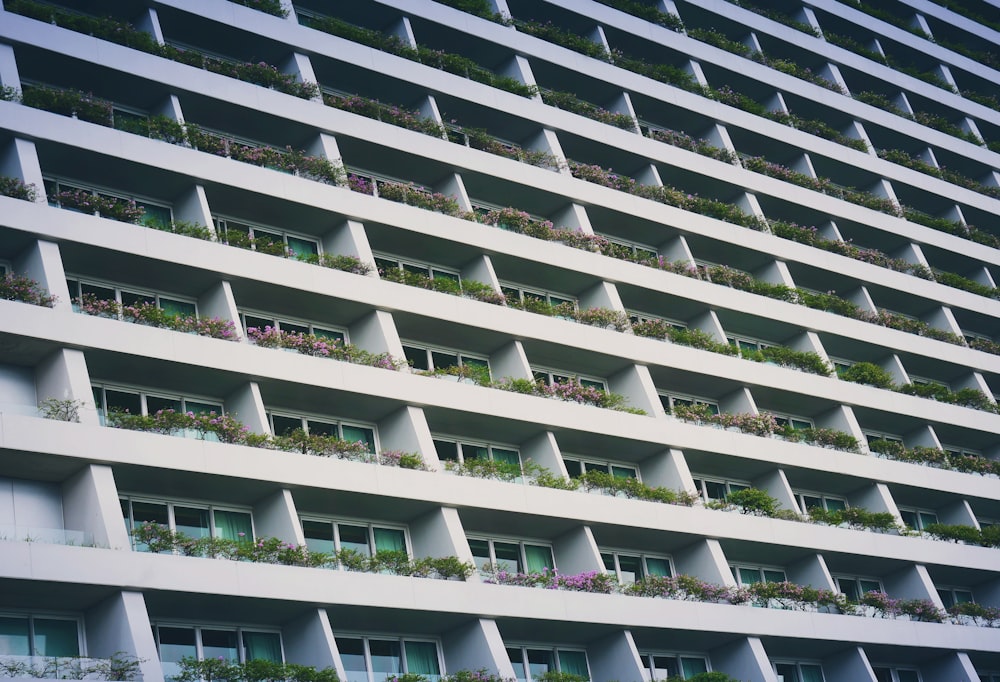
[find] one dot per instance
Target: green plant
(23, 289)
(221, 670)
(752, 501)
(954, 533)
(67, 410)
(630, 488)
(558, 676)
(855, 517)
(16, 188)
(867, 373)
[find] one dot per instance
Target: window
(749, 575)
(283, 424)
(154, 214)
(386, 263)
(461, 452)
(631, 567)
(193, 519)
(954, 595)
(872, 436)
(516, 294)
(670, 401)
(717, 489)
(428, 359)
(376, 659)
(809, 500)
(324, 535)
(636, 317)
(956, 451)
(887, 674)
(229, 644)
(797, 423)
(552, 377)
(636, 250)
(663, 666)
(262, 320)
(745, 343)
(531, 662)
(511, 555)
(117, 399)
(29, 635)
(918, 519)
(576, 467)
(267, 239)
(103, 291)
(5, 269)
(923, 381)
(853, 587)
(798, 672)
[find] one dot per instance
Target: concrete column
(544, 451)
(923, 436)
(775, 272)
(300, 66)
(120, 623)
(406, 429)
(747, 201)
(548, 141)
(218, 301)
(519, 68)
(954, 666)
(636, 384)
(943, 318)
(861, 298)
(349, 239)
(480, 269)
(842, 418)
(705, 560)
(775, 484)
(709, 323)
(576, 551)
(171, 108)
(809, 342)
(667, 469)
(615, 657)
(404, 31)
(744, 659)
(90, 504)
(676, 249)
(875, 498)
(811, 570)
(192, 206)
(573, 217)
(510, 360)
(912, 582)
(976, 381)
(376, 333)
(601, 295)
(325, 145)
(20, 159)
(856, 131)
(719, 136)
(850, 665)
(829, 230)
(622, 104)
(738, 401)
(247, 405)
(894, 366)
(453, 186)
(149, 21)
(476, 645)
(63, 375)
(694, 68)
(42, 262)
(308, 640)
(275, 516)
(9, 76)
(439, 533)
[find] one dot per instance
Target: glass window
(552, 377)
(461, 452)
(376, 659)
(521, 557)
(717, 490)
(365, 539)
(193, 521)
(176, 642)
(749, 575)
(630, 567)
(270, 240)
(530, 662)
(918, 519)
(284, 424)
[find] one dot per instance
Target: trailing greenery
(765, 425)
(867, 373)
(858, 518)
(480, 8)
(957, 281)
(972, 464)
(902, 158)
(570, 102)
(647, 12)
(118, 667)
(256, 670)
(272, 7)
(970, 535)
(438, 59)
(467, 288)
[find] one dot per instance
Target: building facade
(557, 281)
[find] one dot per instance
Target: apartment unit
(556, 282)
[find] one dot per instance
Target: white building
(71, 580)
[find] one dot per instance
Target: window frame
(798, 669)
(824, 498)
(783, 418)
(401, 639)
(460, 442)
(918, 514)
(491, 540)
(672, 399)
(952, 591)
(145, 393)
(171, 503)
(637, 316)
(556, 649)
(31, 616)
(635, 247)
(858, 587)
(120, 290)
(99, 190)
(221, 224)
(508, 288)
(894, 671)
(426, 268)
(616, 553)
(199, 627)
(600, 464)
(552, 374)
(701, 487)
(277, 323)
(646, 659)
(461, 356)
(338, 422)
(337, 521)
(737, 567)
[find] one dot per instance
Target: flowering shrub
(270, 550)
(966, 397)
(254, 670)
(106, 28)
(438, 59)
(152, 315)
(570, 391)
(411, 119)
(86, 201)
(467, 288)
(934, 457)
(117, 667)
(754, 424)
(647, 12)
(403, 460)
(821, 437)
(17, 189)
(320, 347)
(952, 279)
(413, 195)
(684, 141)
(25, 290)
(985, 345)
(661, 329)
(806, 361)
(969, 535)
(570, 102)
(480, 139)
(900, 157)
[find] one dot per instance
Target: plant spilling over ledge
(227, 429)
(970, 464)
(903, 159)
(779, 595)
(756, 502)
(411, 119)
(118, 667)
(321, 347)
(567, 101)
(151, 315)
(269, 550)
(272, 7)
(124, 33)
(24, 290)
(569, 391)
(647, 12)
(123, 210)
(438, 59)
(467, 288)
(765, 425)
(969, 535)
(255, 670)
(608, 484)
(682, 140)
(872, 375)
(16, 188)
